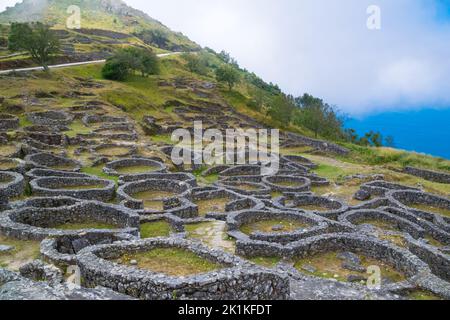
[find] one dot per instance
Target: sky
(324, 47)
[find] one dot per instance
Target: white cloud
(323, 47)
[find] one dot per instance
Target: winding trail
(74, 64)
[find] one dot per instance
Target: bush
(196, 63)
(129, 60)
(229, 75)
(115, 69)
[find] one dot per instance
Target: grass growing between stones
(63, 167)
(5, 180)
(77, 127)
(81, 187)
(213, 234)
(268, 262)
(247, 187)
(98, 172)
(155, 229)
(434, 242)
(423, 295)
(7, 150)
(381, 224)
(136, 169)
(398, 240)
(329, 266)
(313, 207)
(171, 261)
(290, 184)
(153, 199)
(6, 165)
(23, 252)
(212, 205)
(113, 151)
(273, 226)
(85, 226)
(429, 208)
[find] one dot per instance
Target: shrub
(115, 69)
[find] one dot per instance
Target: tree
(128, 60)
(159, 37)
(229, 75)
(281, 109)
(115, 69)
(319, 117)
(37, 39)
(196, 63)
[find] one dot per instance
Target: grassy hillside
(156, 95)
(112, 15)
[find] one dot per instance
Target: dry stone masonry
(102, 198)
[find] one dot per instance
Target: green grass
(423, 296)
(77, 127)
(155, 229)
(85, 226)
(167, 139)
(266, 226)
(171, 261)
(268, 262)
(98, 172)
(394, 157)
(23, 252)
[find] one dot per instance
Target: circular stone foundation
(80, 188)
(9, 150)
(329, 208)
(382, 220)
(50, 161)
(426, 206)
(274, 227)
(12, 184)
(134, 166)
(242, 186)
(16, 165)
(287, 183)
(216, 276)
(115, 150)
(154, 195)
(38, 223)
(381, 188)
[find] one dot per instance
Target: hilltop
(111, 15)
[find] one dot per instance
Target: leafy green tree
(196, 63)
(224, 56)
(115, 69)
(319, 117)
(228, 75)
(281, 109)
(129, 60)
(37, 39)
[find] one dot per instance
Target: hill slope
(113, 15)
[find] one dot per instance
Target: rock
(353, 267)
(133, 262)
(445, 250)
(349, 257)
(4, 248)
(277, 228)
(362, 195)
(309, 268)
(80, 244)
(356, 278)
